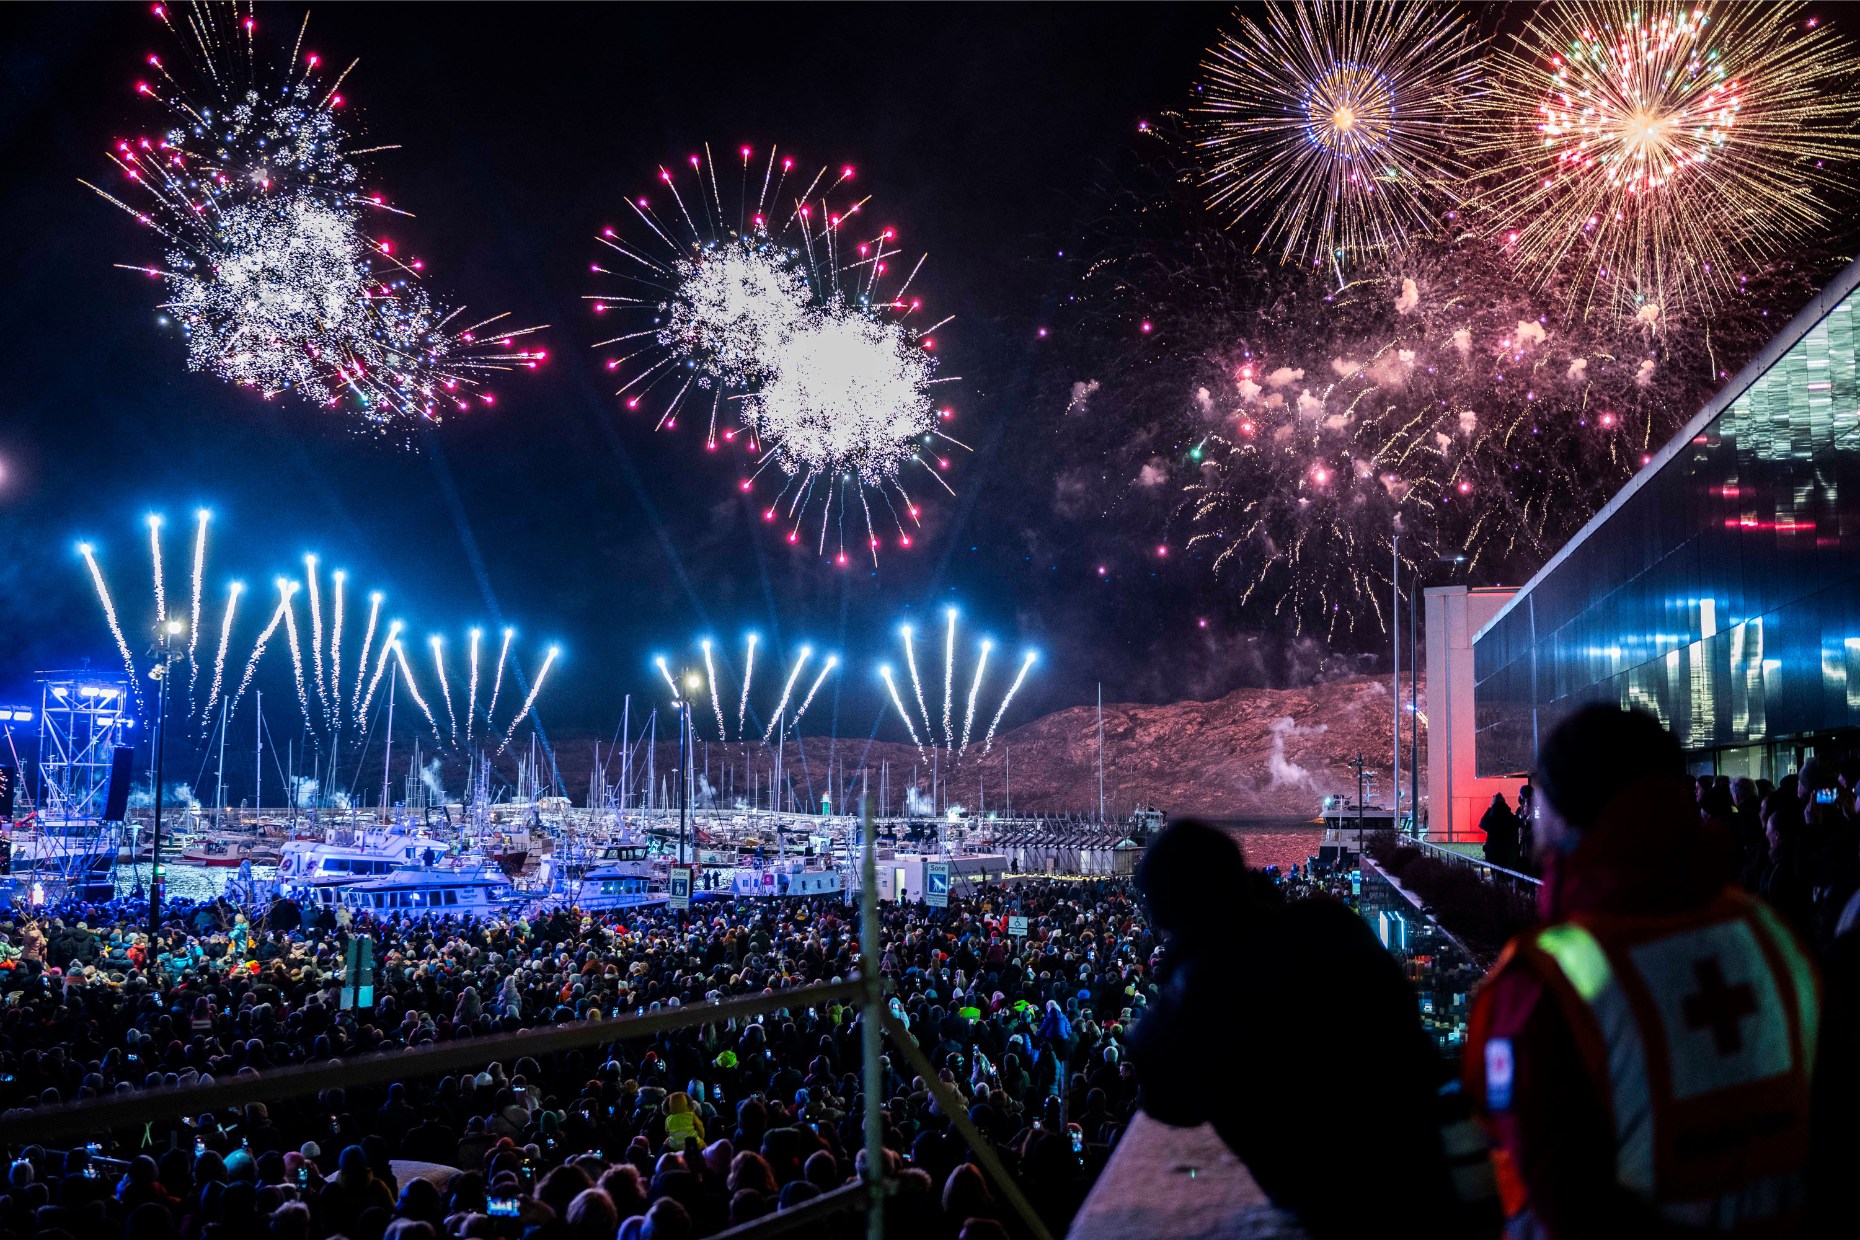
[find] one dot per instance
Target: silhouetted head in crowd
(1590, 759)
(1194, 881)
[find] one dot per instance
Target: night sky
(981, 132)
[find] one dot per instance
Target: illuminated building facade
(1720, 590)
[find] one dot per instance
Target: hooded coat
(1259, 996)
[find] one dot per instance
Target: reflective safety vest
(678, 1128)
(1699, 1034)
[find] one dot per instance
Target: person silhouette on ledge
(1294, 1033)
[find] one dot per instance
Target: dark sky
(979, 130)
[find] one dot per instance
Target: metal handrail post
(952, 1108)
(871, 1034)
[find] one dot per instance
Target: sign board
(936, 884)
(681, 886)
(358, 980)
(1017, 926)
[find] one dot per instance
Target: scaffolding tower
(83, 718)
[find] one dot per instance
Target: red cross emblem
(1718, 1006)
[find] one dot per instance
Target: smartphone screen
(501, 1207)
(1078, 1143)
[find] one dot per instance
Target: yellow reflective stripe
(1801, 976)
(1579, 956)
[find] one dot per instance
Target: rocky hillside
(1255, 753)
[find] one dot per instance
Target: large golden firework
(1644, 154)
(1335, 124)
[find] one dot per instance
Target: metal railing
(866, 992)
(1478, 863)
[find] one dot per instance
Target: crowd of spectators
(1795, 843)
(680, 1135)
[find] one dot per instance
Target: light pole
(168, 629)
(686, 752)
(1414, 701)
(1395, 686)
(684, 774)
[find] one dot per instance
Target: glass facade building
(1720, 590)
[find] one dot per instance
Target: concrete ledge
(1179, 1183)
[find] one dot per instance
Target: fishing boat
(431, 890)
(605, 874)
(508, 850)
(788, 876)
(312, 871)
(225, 850)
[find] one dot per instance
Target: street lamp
(1414, 702)
(692, 683)
(169, 630)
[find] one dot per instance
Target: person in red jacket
(1642, 1060)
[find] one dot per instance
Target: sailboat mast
(219, 779)
(387, 755)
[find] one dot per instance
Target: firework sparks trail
(529, 702)
(669, 682)
(471, 691)
(988, 740)
(193, 622)
(297, 653)
(975, 689)
(1336, 127)
(749, 672)
(258, 647)
(219, 657)
(445, 686)
(772, 310)
(497, 682)
(716, 699)
(161, 589)
(109, 614)
(316, 635)
(787, 691)
(949, 678)
(832, 662)
(255, 192)
(917, 685)
(413, 689)
(335, 651)
(361, 665)
(1653, 153)
(847, 410)
(909, 726)
(1290, 421)
(388, 645)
